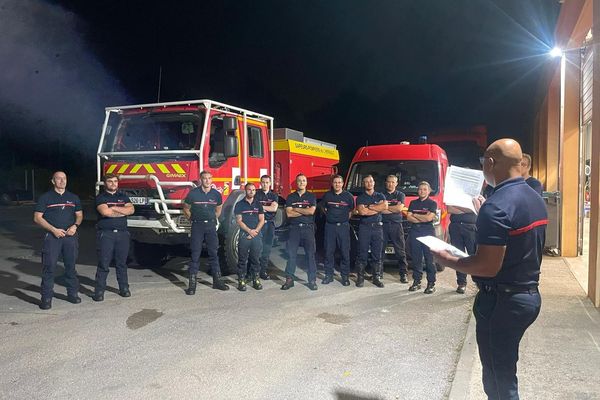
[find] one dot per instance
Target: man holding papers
(511, 230)
(421, 213)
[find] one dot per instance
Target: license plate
(140, 201)
(389, 250)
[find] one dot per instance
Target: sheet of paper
(437, 244)
(462, 184)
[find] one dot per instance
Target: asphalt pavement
(335, 343)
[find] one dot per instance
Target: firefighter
(202, 207)
(421, 214)
(338, 205)
(59, 212)
(268, 200)
(369, 206)
(530, 180)
(250, 217)
(463, 232)
(511, 229)
(300, 209)
(112, 237)
(392, 224)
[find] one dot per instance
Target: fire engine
(158, 150)
(411, 163)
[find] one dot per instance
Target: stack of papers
(462, 185)
(438, 245)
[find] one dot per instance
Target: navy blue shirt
(534, 184)
(338, 206)
(203, 205)
(422, 207)
(249, 212)
(394, 198)
(59, 209)
(266, 199)
(366, 199)
(514, 216)
(117, 199)
(307, 200)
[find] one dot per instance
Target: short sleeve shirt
(267, 199)
(394, 198)
(534, 184)
(366, 199)
(307, 200)
(422, 207)
(514, 216)
(338, 206)
(117, 199)
(203, 204)
(249, 212)
(59, 209)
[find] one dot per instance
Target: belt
(206, 221)
(301, 225)
(114, 230)
(338, 223)
(371, 223)
(504, 288)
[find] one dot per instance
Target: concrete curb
(461, 384)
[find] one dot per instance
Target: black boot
(191, 290)
(377, 276)
(256, 282)
(327, 280)
(416, 285)
(289, 283)
(46, 303)
(218, 283)
(360, 277)
(98, 295)
(430, 288)
(241, 285)
(403, 277)
(345, 280)
(125, 292)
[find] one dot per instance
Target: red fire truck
(159, 150)
(411, 163)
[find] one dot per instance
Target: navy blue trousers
(249, 249)
(268, 235)
(52, 248)
(418, 252)
(337, 236)
(502, 319)
(111, 245)
(205, 232)
(463, 237)
(301, 236)
(370, 236)
(394, 233)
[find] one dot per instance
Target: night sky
(343, 71)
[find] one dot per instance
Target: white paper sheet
(436, 244)
(462, 184)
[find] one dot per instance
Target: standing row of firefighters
(59, 212)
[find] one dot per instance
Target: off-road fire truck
(158, 151)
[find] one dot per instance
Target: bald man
(511, 230)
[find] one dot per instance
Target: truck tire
(148, 255)
(229, 250)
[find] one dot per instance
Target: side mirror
(231, 146)
(229, 124)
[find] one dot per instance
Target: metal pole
(32, 184)
(26, 173)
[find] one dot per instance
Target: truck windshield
(409, 174)
(153, 131)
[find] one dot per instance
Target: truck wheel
(230, 251)
(149, 255)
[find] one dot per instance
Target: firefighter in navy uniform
(392, 224)
(421, 214)
(300, 209)
(250, 217)
(59, 212)
(269, 201)
(369, 206)
(202, 207)
(462, 231)
(530, 180)
(511, 230)
(338, 205)
(112, 237)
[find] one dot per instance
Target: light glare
(556, 52)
